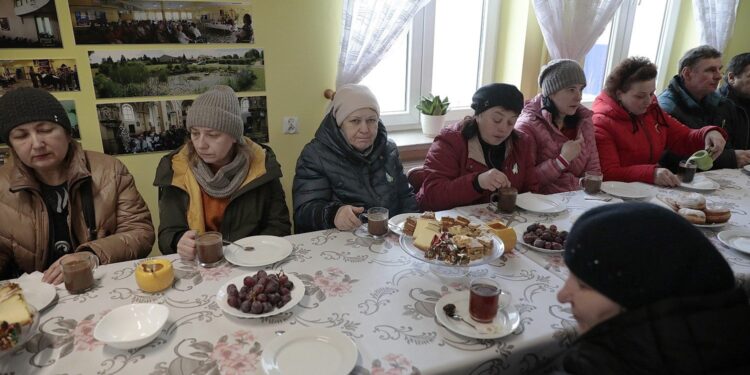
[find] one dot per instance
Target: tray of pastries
(694, 208)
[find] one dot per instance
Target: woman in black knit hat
(58, 199)
(651, 295)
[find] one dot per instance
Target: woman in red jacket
(632, 131)
(474, 157)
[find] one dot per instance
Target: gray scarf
(226, 180)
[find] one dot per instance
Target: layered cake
(14, 315)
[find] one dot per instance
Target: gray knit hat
(218, 109)
(350, 98)
(28, 104)
(559, 74)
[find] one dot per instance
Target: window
(447, 51)
(127, 113)
(639, 28)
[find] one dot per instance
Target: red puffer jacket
(630, 148)
(453, 162)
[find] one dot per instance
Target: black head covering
(497, 94)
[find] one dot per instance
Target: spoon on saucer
(246, 248)
(450, 310)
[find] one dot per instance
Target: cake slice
(14, 314)
(425, 231)
(410, 225)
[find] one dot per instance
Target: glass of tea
(209, 251)
(484, 299)
(78, 271)
(506, 199)
(686, 171)
(377, 221)
(592, 182)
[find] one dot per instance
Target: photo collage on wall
(220, 34)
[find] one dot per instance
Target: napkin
(36, 276)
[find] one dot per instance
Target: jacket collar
(22, 177)
(330, 135)
(678, 87)
(534, 109)
(607, 106)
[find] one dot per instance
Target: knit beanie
(497, 94)
(559, 74)
(217, 109)
(26, 105)
(640, 253)
(350, 98)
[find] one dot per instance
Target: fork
(605, 199)
(246, 248)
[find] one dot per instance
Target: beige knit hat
(350, 98)
(218, 109)
(559, 74)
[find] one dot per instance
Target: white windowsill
(411, 139)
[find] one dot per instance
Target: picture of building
(29, 24)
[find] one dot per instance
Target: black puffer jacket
(330, 174)
(714, 109)
(695, 335)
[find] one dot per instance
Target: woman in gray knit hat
(219, 180)
(59, 200)
(560, 128)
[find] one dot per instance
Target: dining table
(369, 289)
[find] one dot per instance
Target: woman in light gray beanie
(219, 180)
(560, 128)
(348, 167)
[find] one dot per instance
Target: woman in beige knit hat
(219, 180)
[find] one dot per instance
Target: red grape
(248, 281)
(256, 308)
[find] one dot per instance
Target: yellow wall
(300, 40)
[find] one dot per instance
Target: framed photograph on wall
(159, 22)
(123, 74)
(140, 127)
(53, 75)
(29, 24)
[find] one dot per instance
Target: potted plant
(432, 111)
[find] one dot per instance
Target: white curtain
(571, 27)
(370, 27)
(716, 19)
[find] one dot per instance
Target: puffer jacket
(257, 207)
(630, 147)
(330, 174)
(123, 222)
(714, 109)
(546, 143)
(692, 335)
(453, 162)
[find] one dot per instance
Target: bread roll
(693, 216)
(717, 214)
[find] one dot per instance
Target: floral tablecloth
(734, 193)
(369, 290)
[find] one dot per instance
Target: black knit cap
(497, 94)
(640, 253)
(28, 104)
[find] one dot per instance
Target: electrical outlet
(290, 125)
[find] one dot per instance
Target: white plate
(131, 326)
(545, 204)
(221, 298)
(738, 239)
(407, 243)
(712, 226)
(746, 168)
(268, 250)
(701, 183)
(309, 351)
(627, 190)
(521, 228)
(396, 223)
(506, 320)
(37, 293)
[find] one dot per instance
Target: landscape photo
(48, 74)
(29, 24)
(158, 22)
(124, 74)
(141, 127)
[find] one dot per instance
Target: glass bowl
(27, 331)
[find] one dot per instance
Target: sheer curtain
(570, 28)
(716, 19)
(370, 28)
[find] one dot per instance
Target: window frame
(420, 48)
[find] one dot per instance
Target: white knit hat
(218, 109)
(350, 98)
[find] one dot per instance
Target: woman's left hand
(53, 275)
(715, 143)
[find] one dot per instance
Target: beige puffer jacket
(123, 221)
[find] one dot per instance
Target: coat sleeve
(134, 236)
(685, 141)
(173, 204)
(546, 171)
(444, 186)
(589, 139)
(312, 194)
(407, 201)
(276, 216)
(609, 157)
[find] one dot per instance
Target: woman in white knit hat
(560, 128)
(219, 180)
(349, 167)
